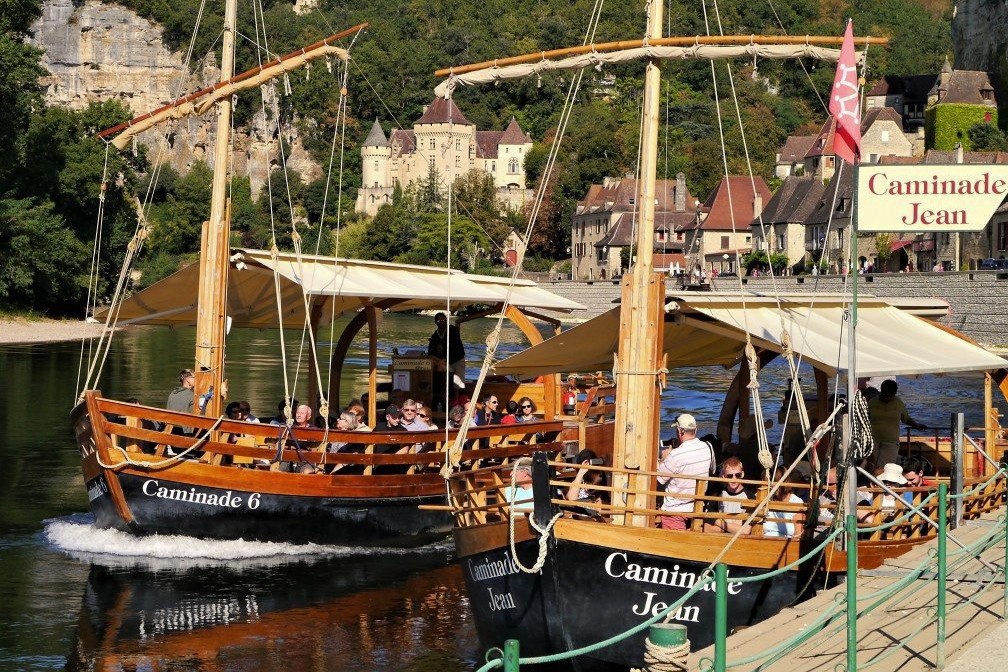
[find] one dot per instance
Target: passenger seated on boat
(520, 496)
(246, 409)
(734, 491)
(915, 470)
(409, 421)
(281, 417)
(357, 408)
(685, 464)
(585, 476)
(152, 425)
(303, 417)
(233, 412)
(891, 475)
(828, 502)
(423, 414)
(780, 522)
(489, 414)
(455, 417)
(510, 416)
(393, 420)
(526, 410)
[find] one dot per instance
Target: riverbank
(24, 330)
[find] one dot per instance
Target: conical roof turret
(514, 135)
(376, 137)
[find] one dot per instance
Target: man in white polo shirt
(691, 459)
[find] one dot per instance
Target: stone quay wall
(978, 300)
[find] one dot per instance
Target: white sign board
(930, 199)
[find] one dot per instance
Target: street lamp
(725, 264)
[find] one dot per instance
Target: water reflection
(361, 613)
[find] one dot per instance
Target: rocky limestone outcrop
(97, 52)
(980, 35)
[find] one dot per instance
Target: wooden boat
(567, 575)
(150, 470)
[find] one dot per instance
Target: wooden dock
(901, 633)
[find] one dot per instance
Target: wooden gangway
(899, 634)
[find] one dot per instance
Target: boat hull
(163, 505)
(587, 593)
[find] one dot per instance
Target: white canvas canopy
(705, 328)
(333, 284)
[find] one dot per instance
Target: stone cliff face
(980, 35)
(96, 52)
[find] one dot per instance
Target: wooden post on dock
(957, 464)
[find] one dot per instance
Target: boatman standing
(691, 459)
(181, 398)
(446, 345)
(886, 412)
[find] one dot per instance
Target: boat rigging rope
(862, 443)
(544, 532)
(127, 460)
(453, 451)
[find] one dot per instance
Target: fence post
(511, 655)
(943, 492)
(957, 463)
(851, 593)
(720, 617)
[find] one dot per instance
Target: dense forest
(50, 185)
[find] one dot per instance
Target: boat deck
(974, 618)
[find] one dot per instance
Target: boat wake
(77, 536)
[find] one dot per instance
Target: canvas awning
(336, 285)
(707, 328)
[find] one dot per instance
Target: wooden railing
(145, 434)
(479, 497)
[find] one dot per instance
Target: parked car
(993, 263)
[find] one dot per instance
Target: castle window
(376, 164)
(458, 144)
(493, 166)
(513, 166)
(458, 162)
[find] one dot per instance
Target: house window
(781, 242)
(458, 144)
(1002, 244)
(376, 164)
(885, 136)
(601, 255)
(493, 166)
(724, 242)
(433, 143)
(458, 162)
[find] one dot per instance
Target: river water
(77, 598)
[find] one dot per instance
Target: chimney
(680, 192)
(757, 206)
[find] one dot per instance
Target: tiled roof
(794, 201)
(376, 138)
(964, 86)
(405, 139)
(912, 87)
(876, 114)
(514, 135)
(834, 211)
(795, 148)
(823, 143)
(443, 111)
(623, 194)
(486, 143)
(722, 210)
(621, 232)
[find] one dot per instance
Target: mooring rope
(544, 532)
(659, 658)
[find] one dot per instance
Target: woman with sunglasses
(526, 410)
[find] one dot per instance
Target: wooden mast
(214, 246)
(641, 315)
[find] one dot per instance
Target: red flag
(845, 103)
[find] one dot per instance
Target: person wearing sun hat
(691, 459)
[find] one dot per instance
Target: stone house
(443, 143)
(513, 247)
(604, 225)
(724, 226)
(958, 100)
(907, 95)
(781, 226)
(790, 159)
(882, 135)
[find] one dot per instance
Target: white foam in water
(77, 536)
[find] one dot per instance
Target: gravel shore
(15, 330)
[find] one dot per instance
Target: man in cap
(181, 398)
(691, 459)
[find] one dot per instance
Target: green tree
(987, 137)
(42, 264)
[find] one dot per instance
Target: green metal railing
(829, 621)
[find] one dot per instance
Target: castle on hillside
(446, 144)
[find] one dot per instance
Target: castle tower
(376, 180)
